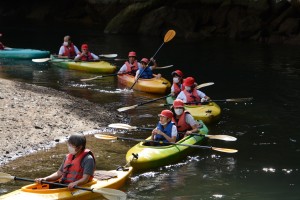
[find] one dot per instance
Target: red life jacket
(1, 46)
(87, 58)
(192, 97)
(131, 67)
(73, 170)
(69, 51)
(177, 88)
(181, 123)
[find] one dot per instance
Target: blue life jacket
(147, 73)
(167, 131)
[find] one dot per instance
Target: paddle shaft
(143, 103)
(52, 183)
(169, 143)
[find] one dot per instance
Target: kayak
(156, 156)
(113, 179)
(152, 85)
(92, 66)
(207, 112)
(17, 53)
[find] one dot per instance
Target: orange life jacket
(131, 67)
(181, 124)
(69, 51)
(72, 170)
(192, 97)
(177, 88)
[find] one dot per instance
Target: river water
(267, 128)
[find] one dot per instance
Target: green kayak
(156, 156)
(17, 53)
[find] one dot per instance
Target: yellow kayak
(153, 85)
(103, 179)
(93, 66)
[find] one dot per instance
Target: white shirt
(189, 119)
(62, 50)
(123, 69)
(93, 55)
(182, 96)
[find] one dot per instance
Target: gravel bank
(34, 117)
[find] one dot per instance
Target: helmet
(178, 103)
(189, 81)
(131, 54)
(166, 113)
(145, 60)
(178, 72)
(84, 46)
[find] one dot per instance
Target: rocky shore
(35, 117)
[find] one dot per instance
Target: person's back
(68, 49)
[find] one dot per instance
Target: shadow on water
(267, 164)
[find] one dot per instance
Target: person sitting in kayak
(78, 166)
(177, 85)
(86, 55)
(130, 66)
(190, 94)
(184, 121)
(145, 71)
(68, 49)
(166, 130)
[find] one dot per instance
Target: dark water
(267, 164)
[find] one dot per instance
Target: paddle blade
(164, 67)
(224, 150)
(4, 177)
(169, 35)
(40, 60)
(122, 126)
(111, 194)
(221, 137)
(204, 85)
(89, 79)
(105, 137)
(109, 55)
(127, 108)
(240, 99)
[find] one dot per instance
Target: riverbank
(35, 117)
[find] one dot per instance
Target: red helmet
(131, 54)
(189, 81)
(178, 103)
(84, 46)
(166, 113)
(145, 60)
(178, 72)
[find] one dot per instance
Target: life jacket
(167, 131)
(147, 73)
(132, 68)
(192, 97)
(87, 58)
(1, 46)
(69, 51)
(181, 124)
(72, 170)
(177, 88)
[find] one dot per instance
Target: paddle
(98, 77)
(226, 100)
(216, 137)
(139, 104)
(106, 192)
(134, 106)
(40, 60)
(109, 137)
(168, 36)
